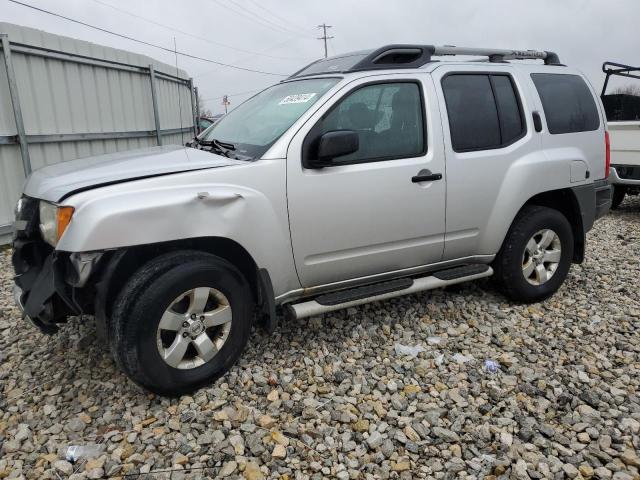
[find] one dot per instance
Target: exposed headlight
(53, 221)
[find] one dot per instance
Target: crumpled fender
(246, 204)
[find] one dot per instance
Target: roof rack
(414, 56)
(620, 70)
(500, 55)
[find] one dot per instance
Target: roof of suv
(413, 56)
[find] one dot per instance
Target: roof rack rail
(620, 70)
(398, 55)
(413, 56)
(500, 55)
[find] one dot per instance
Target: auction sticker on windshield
(299, 98)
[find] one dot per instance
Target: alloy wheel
(541, 257)
(194, 328)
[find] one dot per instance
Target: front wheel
(181, 322)
(536, 255)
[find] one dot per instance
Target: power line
(127, 37)
(324, 37)
(262, 19)
(233, 94)
(197, 37)
(257, 19)
(278, 17)
(242, 60)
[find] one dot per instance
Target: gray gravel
(330, 397)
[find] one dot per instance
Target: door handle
(537, 122)
(426, 178)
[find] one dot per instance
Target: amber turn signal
(64, 217)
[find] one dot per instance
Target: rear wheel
(536, 255)
(618, 196)
(179, 325)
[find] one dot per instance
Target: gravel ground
(331, 397)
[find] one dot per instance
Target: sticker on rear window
(299, 98)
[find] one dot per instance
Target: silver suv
(359, 178)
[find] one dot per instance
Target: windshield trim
(313, 76)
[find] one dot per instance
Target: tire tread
(122, 337)
(509, 279)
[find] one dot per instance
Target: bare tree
(203, 112)
(628, 90)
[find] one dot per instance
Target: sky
(280, 36)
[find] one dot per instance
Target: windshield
(254, 126)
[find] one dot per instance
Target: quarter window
(484, 111)
(567, 102)
(388, 118)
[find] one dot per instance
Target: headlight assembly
(53, 221)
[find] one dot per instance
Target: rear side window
(484, 111)
(511, 122)
(567, 102)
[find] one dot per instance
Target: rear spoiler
(611, 68)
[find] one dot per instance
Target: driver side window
(387, 117)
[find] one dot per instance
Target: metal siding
(11, 181)
(7, 122)
(60, 96)
(173, 99)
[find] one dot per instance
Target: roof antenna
(175, 51)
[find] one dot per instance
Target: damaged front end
(49, 284)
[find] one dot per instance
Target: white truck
(623, 119)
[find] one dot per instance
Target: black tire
(618, 196)
(508, 265)
(144, 299)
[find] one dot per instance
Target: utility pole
(324, 37)
(225, 102)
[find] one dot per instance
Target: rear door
(486, 131)
(366, 214)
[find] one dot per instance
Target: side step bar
(385, 290)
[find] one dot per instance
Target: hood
(55, 182)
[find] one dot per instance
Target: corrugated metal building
(62, 99)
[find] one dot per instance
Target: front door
(381, 208)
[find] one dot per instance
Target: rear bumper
(603, 196)
(622, 175)
(594, 201)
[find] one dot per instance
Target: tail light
(607, 161)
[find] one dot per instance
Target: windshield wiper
(224, 148)
(223, 145)
(219, 147)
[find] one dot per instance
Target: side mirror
(334, 144)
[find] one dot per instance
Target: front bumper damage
(48, 283)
